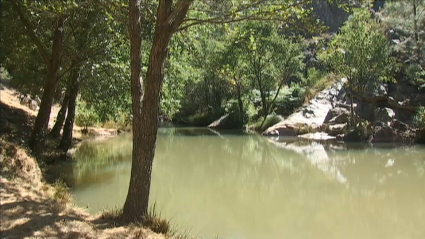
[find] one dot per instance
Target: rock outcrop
(311, 116)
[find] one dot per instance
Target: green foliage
(263, 124)
(419, 118)
(289, 100)
(361, 52)
(237, 118)
(415, 74)
(258, 58)
(313, 76)
(85, 117)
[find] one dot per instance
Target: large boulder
(375, 91)
(336, 115)
(353, 136)
(311, 116)
(383, 133)
(366, 111)
(336, 129)
(282, 130)
(385, 115)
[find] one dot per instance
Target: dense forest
(190, 63)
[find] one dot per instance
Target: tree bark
(415, 30)
(145, 116)
(134, 209)
(43, 116)
(60, 118)
(239, 95)
(66, 141)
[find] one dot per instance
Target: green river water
(238, 186)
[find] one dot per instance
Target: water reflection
(243, 186)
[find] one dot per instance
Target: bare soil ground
(31, 208)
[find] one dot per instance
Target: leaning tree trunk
(60, 118)
(43, 116)
(145, 116)
(66, 141)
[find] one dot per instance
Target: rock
(399, 125)
(38, 100)
(340, 119)
(311, 116)
(281, 130)
(219, 123)
(336, 129)
(33, 105)
(330, 14)
(316, 136)
(227, 121)
(335, 112)
(352, 136)
(375, 91)
(24, 100)
(342, 105)
(366, 111)
(382, 133)
(385, 115)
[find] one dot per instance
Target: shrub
(264, 124)
(85, 117)
(419, 118)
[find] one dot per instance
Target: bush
(85, 117)
(415, 74)
(288, 101)
(237, 119)
(270, 120)
(419, 118)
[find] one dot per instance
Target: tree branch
(231, 17)
(179, 13)
(29, 29)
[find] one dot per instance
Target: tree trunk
(60, 118)
(66, 141)
(43, 116)
(145, 116)
(239, 95)
(415, 30)
(134, 209)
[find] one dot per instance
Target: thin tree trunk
(415, 30)
(60, 118)
(66, 141)
(43, 116)
(145, 116)
(239, 94)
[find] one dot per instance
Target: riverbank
(31, 207)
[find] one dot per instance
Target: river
(232, 185)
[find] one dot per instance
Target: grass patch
(152, 221)
(61, 194)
